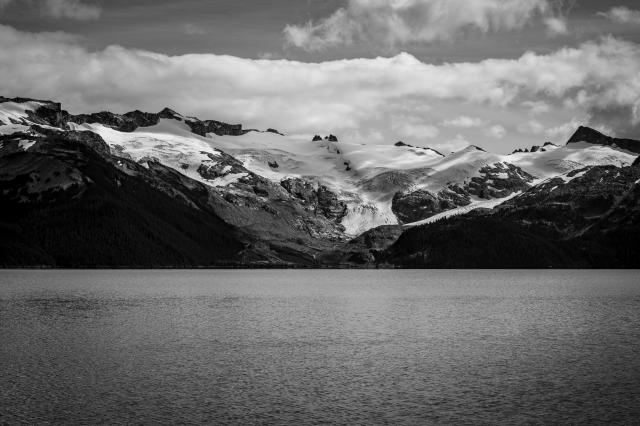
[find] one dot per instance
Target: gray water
(312, 347)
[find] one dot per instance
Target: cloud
(531, 127)
(597, 80)
(72, 9)
(497, 132)
(622, 15)
(537, 107)
(400, 22)
(464, 122)
(455, 144)
(63, 9)
(415, 131)
(193, 29)
(556, 26)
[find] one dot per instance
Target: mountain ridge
(278, 200)
(589, 135)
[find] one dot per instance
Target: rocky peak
(124, 123)
(321, 199)
(170, 114)
(536, 148)
(52, 114)
(90, 139)
(49, 113)
(402, 144)
(589, 135)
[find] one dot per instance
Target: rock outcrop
(586, 134)
(496, 181)
(319, 199)
(130, 121)
(422, 204)
(536, 148)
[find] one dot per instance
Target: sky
(500, 74)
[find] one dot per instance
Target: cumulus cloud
(464, 122)
(497, 131)
(193, 29)
(414, 131)
(536, 107)
(598, 80)
(556, 26)
(622, 15)
(62, 9)
(400, 22)
(72, 9)
(531, 127)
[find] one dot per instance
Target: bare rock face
(329, 205)
(221, 165)
(586, 134)
(536, 148)
(637, 162)
(216, 127)
(496, 181)
(422, 204)
(51, 113)
(123, 123)
(90, 139)
(321, 200)
(130, 121)
(499, 180)
(301, 189)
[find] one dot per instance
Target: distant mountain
(590, 218)
(586, 134)
(165, 190)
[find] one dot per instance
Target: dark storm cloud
(56, 9)
(256, 28)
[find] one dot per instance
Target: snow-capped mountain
(283, 193)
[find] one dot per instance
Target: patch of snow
(368, 215)
(170, 142)
(568, 158)
(487, 204)
(17, 110)
(568, 179)
(14, 111)
(26, 144)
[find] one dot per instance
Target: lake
(316, 347)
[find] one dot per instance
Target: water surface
(311, 347)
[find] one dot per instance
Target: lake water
(313, 347)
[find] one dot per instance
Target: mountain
(588, 218)
(591, 136)
(165, 190)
